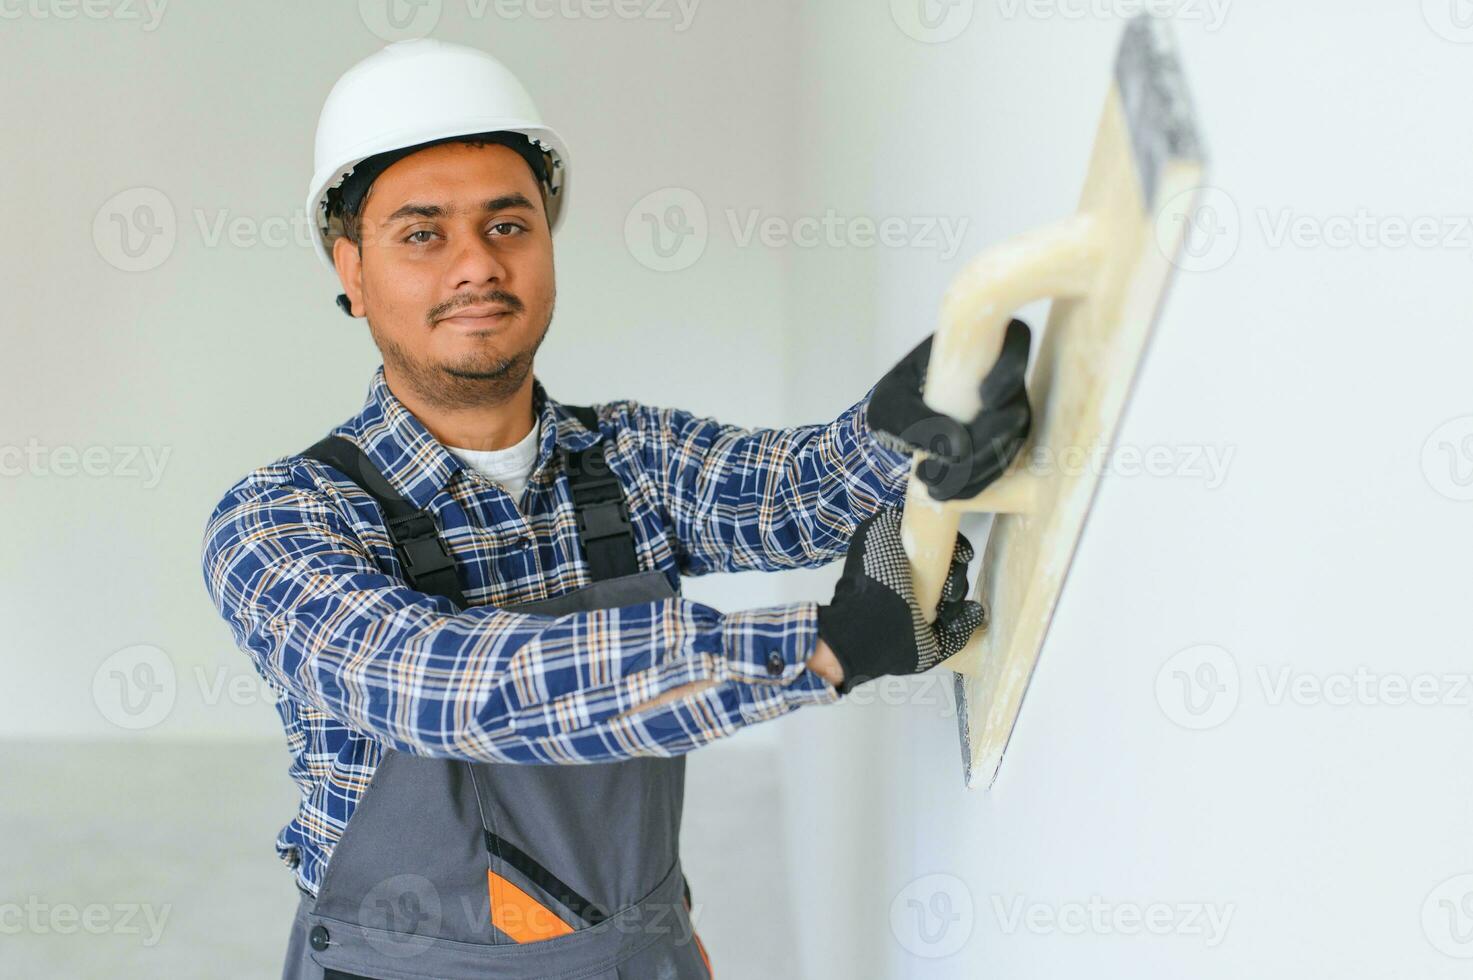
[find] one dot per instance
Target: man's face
(456, 274)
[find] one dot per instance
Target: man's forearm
(765, 499)
(823, 663)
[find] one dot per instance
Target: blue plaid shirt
(297, 561)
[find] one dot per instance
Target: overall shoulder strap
(598, 501)
(584, 414)
(604, 529)
(427, 564)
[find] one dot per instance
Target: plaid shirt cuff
(767, 652)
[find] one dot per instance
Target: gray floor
(155, 860)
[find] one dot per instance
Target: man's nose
(475, 262)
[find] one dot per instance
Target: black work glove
(963, 459)
(874, 624)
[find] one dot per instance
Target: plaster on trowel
(1106, 268)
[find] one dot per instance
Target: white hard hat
(415, 92)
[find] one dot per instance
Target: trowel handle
(1057, 261)
(928, 532)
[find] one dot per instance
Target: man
(467, 596)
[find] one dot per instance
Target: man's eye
(508, 224)
(423, 231)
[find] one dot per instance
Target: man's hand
(962, 459)
(874, 625)
(825, 664)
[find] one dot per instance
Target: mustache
(497, 297)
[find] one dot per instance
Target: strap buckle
(419, 546)
(605, 519)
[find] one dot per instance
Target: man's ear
(349, 263)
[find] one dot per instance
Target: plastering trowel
(1106, 269)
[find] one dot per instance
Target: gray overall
(451, 869)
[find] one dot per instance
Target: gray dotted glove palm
(874, 624)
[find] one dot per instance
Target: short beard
(475, 380)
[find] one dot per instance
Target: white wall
(1322, 830)
(1323, 370)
